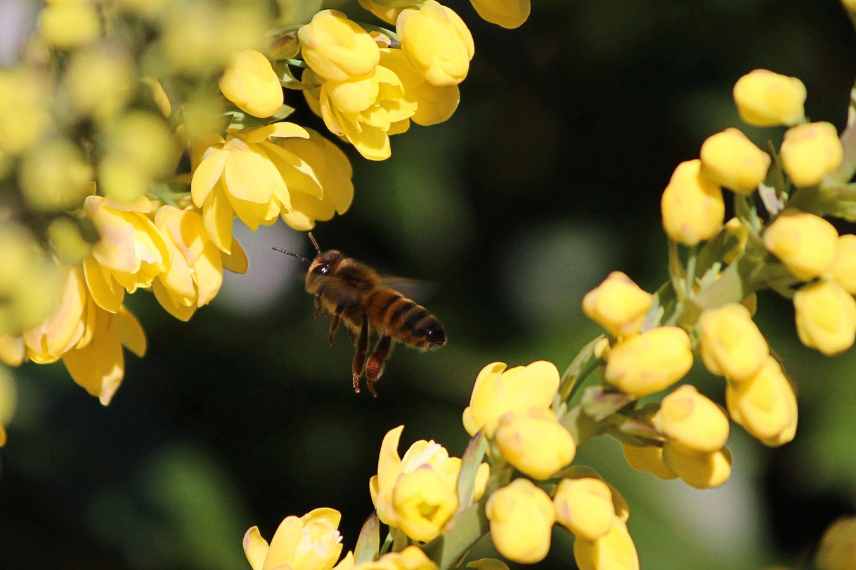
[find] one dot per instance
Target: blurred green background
(547, 178)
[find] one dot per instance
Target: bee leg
(318, 308)
(375, 363)
(335, 321)
(362, 346)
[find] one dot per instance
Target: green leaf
(635, 431)
(487, 564)
(470, 463)
(600, 402)
(844, 173)
(579, 425)
(368, 543)
(837, 201)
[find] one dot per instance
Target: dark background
(547, 178)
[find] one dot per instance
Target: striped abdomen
(391, 313)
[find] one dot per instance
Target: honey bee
(353, 293)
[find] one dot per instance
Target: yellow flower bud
(649, 362)
(767, 99)
(613, 551)
(692, 421)
(730, 159)
(62, 186)
(509, 14)
(99, 82)
(765, 405)
(648, 458)
(534, 442)
(584, 506)
(691, 206)
(843, 270)
(731, 344)
(521, 516)
(69, 24)
(424, 503)
(437, 42)
(805, 243)
(250, 82)
(27, 92)
(810, 152)
(702, 471)
(336, 48)
(837, 550)
(826, 317)
(618, 304)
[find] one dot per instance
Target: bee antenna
(314, 242)
(292, 254)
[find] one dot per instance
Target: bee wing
(414, 288)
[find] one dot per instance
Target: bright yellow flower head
(521, 516)
(731, 343)
(437, 42)
(691, 206)
(843, 270)
(692, 421)
(534, 442)
(424, 502)
(826, 317)
(310, 542)
(584, 506)
(805, 243)
(699, 470)
(64, 185)
(71, 324)
(648, 458)
(509, 14)
(810, 152)
(765, 405)
(497, 391)
(433, 104)
(69, 23)
(250, 82)
(768, 99)
(837, 549)
(617, 304)
(336, 48)
(613, 551)
(730, 159)
(27, 92)
(649, 362)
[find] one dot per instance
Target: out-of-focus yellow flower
(27, 92)
(768, 99)
(336, 48)
(730, 159)
(699, 470)
(159, 96)
(618, 304)
(69, 23)
(509, 14)
(837, 550)
(731, 343)
(649, 362)
(60, 187)
(433, 104)
(29, 282)
(843, 269)
(8, 398)
(250, 82)
(826, 317)
(521, 516)
(765, 405)
(497, 391)
(196, 270)
(810, 152)
(691, 206)
(648, 458)
(613, 551)
(739, 233)
(692, 421)
(584, 506)
(71, 325)
(386, 13)
(130, 253)
(805, 243)
(67, 242)
(310, 542)
(850, 5)
(411, 558)
(535, 442)
(12, 350)
(424, 503)
(99, 81)
(437, 42)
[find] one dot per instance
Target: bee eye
(324, 269)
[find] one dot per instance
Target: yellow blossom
(424, 502)
(584, 506)
(691, 206)
(692, 421)
(850, 5)
(386, 13)
(437, 42)
(765, 405)
(26, 91)
(509, 14)
(649, 362)
(810, 152)
(61, 187)
(768, 99)
(99, 81)
(730, 159)
(433, 104)
(250, 82)
(614, 551)
(826, 317)
(12, 350)
(805, 243)
(498, 390)
(8, 398)
(534, 442)
(843, 270)
(521, 516)
(617, 304)
(837, 550)
(648, 458)
(310, 542)
(411, 558)
(699, 470)
(731, 344)
(69, 23)
(336, 48)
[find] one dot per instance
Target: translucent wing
(416, 289)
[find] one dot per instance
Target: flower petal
(217, 219)
(130, 332)
(99, 366)
(163, 296)
(207, 174)
(237, 261)
(106, 294)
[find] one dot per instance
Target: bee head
(324, 264)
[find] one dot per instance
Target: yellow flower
(521, 516)
(336, 48)
(826, 317)
(310, 542)
(250, 82)
(196, 272)
(437, 42)
(584, 506)
(837, 550)
(534, 442)
(648, 458)
(61, 187)
(730, 159)
(433, 104)
(810, 152)
(692, 421)
(424, 502)
(509, 14)
(850, 5)
(411, 558)
(699, 470)
(69, 23)
(692, 206)
(767, 99)
(805, 243)
(386, 13)
(130, 253)
(497, 391)
(649, 362)
(618, 304)
(614, 551)
(27, 92)
(765, 405)
(99, 81)
(843, 270)
(8, 398)
(731, 344)
(12, 350)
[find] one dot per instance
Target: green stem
(691, 270)
(583, 364)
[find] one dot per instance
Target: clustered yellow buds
(765, 404)
(692, 205)
(805, 243)
(768, 99)
(521, 517)
(534, 442)
(730, 159)
(826, 317)
(649, 362)
(617, 304)
(251, 84)
(810, 152)
(731, 344)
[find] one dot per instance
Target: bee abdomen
(411, 323)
